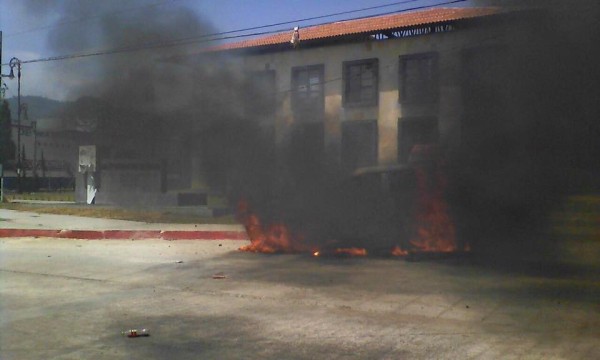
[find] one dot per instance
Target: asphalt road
(70, 299)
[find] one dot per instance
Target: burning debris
(398, 251)
(269, 239)
(429, 222)
(277, 238)
(413, 205)
(351, 251)
(435, 230)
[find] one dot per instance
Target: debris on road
(136, 333)
(219, 276)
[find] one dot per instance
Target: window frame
(423, 121)
(433, 92)
(347, 65)
(351, 164)
(298, 107)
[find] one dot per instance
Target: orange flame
(435, 229)
(351, 251)
(397, 251)
(274, 238)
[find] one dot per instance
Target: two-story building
(367, 90)
(362, 92)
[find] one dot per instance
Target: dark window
(306, 149)
(263, 89)
(359, 144)
(415, 131)
(419, 78)
(308, 92)
(361, 83)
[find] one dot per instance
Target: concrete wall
(129, 183)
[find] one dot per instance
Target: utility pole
(14, 62)
(34, 129)
(2, 84)
(2, 89)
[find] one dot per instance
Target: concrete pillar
(389, 110)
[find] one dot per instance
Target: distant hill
(37, 107)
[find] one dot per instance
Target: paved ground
(11, 219)
(69, 299)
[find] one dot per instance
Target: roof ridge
(403, 12)
(400, 19)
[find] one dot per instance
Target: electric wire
(217, 36)
(319, 17)
(225, 32)
(183, 40)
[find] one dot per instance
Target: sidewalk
(29, 224)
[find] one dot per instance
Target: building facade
(367, 91)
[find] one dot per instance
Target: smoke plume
(135, 95)
(531, 130)
(529, 139)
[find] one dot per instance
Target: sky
(26, 29)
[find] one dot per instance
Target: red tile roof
(366, 25)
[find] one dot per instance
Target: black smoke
(134, 97)
(530, 129)
(528, 135)
(528, 140)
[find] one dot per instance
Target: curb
(126, 234)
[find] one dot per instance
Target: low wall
(127, 183)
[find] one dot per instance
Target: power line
(183, 40)
(79, 20)
(321, 16)
(218, 36)
(138, 48)
(226, 32)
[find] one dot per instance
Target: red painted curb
(79, 234)
(28, 233)
(205, 235)
(131, 234)
(127, 234)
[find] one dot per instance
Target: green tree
(7, 147)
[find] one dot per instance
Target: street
(70, 299)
